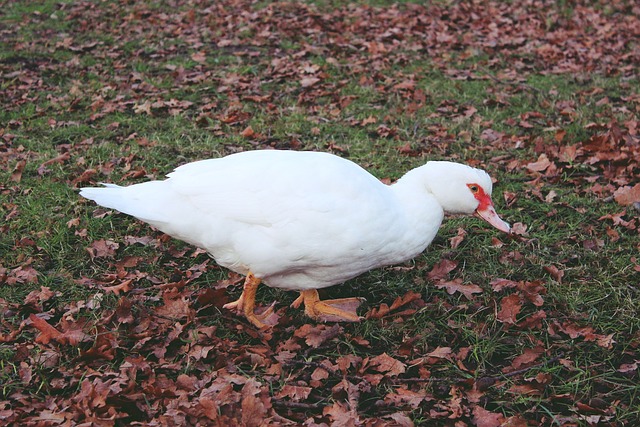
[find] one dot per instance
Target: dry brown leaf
(510, 307)
(317, 335)
(47, 332)
(72, 332)
(410, 296)
(16, 174)
(387, 365)
(539, 165)
(295, 393)
(102, 249)
(384, 310)
(628, 367)
(483, 418)
(459, 238)
(319, 374)
(306, 82)
(248, 132)
(38, 297)
(254, 410)
(533, 321)
(400, 420)
(529, 355)
(627, 195)
(498, 285)
(341, 415)
(555, 272)
(586, 332)
(532, 292)
(123, 311)
(441, 353)
(122, 287)
(175, 306)
(22, 274)
(208, 407)
(442, 269)
(402, 397)
(457, 286)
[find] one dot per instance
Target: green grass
(598, 289)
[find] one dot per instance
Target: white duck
(302, 220)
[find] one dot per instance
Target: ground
(106, 321)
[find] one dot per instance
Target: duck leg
(247, 303)
(333, 310)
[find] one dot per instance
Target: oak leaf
(483, 418)
(403, 397)
(627, 195)
(47, 332)
(308, 81)
(442, 269)
(457, 286)
(125, 286)
(388, 365)
(459, 238)
(254, 409)
(510, 306)
(295, 393)
(341, 415)
(528, 356)
(102, 249)
(441, 353)
(317, 335)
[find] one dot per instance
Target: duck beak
(488, 213)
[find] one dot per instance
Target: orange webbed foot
(335, 310)
(246, 305)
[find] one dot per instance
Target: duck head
(462, 189)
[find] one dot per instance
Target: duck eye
(474, 188)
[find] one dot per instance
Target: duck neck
(421, 211)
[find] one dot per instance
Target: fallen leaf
(306, 82)
(555, 272)
(459, 238)
(498, 285)
(102, 249)
(539, 165)
(36, 298)
(519, 229)
(175, 306)
(402, 397)
(317, 335)
(199, 57)
(483, 418)
(122, 287)
(457, 286)
(73, 332)
(410, 296)
(628, 367)
(400, 420)
(47, 332)
(627, 195)
(510, 306)
(254, 410)
(248, 132)
(533, 321)
(16, 174)
(528, 356)
(442, 269)
(341, 415)
(387, 365)
(441, 353)
(295, 393)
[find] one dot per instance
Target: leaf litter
(155, 356)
